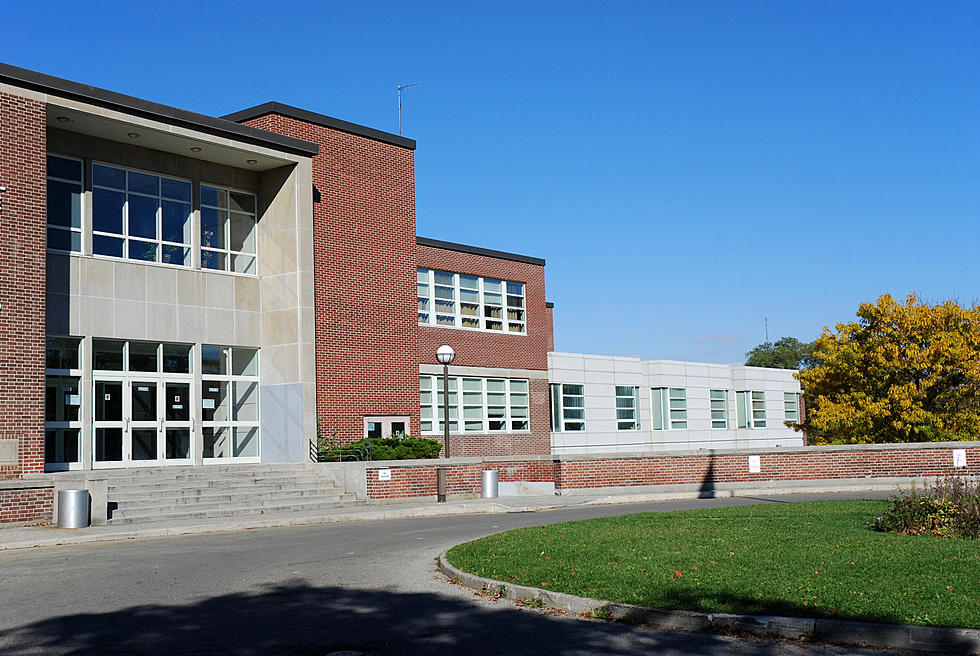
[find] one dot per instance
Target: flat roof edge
(319, 119)
(476, 250)
(48, 84)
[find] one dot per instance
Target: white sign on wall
(384, 474)
(755, 464)
(959, 457)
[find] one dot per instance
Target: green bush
(388, 448)
(949, 508)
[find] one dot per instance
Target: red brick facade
(364, 276)
(486, 349)
(368, 343)
(28, 505)
(22, 275)
(576, 474)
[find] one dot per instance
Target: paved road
(369, 587)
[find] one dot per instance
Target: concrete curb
(945, 640)
(63, 537)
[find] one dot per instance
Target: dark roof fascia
(320, 119)
(48, 84)
(476, 250)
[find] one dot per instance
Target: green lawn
(815, 559)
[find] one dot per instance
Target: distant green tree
(785, 353)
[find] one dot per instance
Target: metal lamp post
(445, 354)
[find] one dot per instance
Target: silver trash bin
(73, 508)
(489, 484)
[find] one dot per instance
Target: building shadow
(297, 619)
(707, 489)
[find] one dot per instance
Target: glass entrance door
(145, 423)
(108, 426)
(177, 420)
(141, 421)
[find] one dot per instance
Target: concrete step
(224, 484)
(201, 476)
(199, 495)
(121, 517)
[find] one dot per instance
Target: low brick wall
(580, 473)
(31, 504)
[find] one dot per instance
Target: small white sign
(755, 464)
(108, 397)
(214, 389)
(178, 406)
(959, 457)
(208, 404)
(73, 399)
(141, 388)
(384, 474)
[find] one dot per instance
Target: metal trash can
(488, 485)
(73, 508)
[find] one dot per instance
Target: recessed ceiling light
(195, 149)
(253, 162)
(63, 119)
(132, 135)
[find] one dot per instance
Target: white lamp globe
(445, 354)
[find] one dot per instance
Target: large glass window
(627, 402)
(140, 216)
(567, 407)
(719, 408)
(62, 402)
(669, 408)
(227, 230)
(457, 300)
(64, 204)
(486, 405)
(230, 402)
(750, 409)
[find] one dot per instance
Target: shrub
(388, 448)
(948, 508)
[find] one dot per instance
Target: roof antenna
(767, 329)
(400, 87)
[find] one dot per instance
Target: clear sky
(686, 168)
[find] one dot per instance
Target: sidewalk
(16, 536)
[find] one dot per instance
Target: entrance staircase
(182, 493)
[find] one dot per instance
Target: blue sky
(686, 168)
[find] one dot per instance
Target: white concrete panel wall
(601, 374)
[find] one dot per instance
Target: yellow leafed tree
(901, 373)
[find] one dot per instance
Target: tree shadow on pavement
(299, 620)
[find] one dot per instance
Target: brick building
(183, 289)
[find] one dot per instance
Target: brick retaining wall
(577, 474)
(26, 505)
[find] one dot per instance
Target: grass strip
(813, 559)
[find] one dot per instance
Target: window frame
(54, 373)
(227, 252)
(426, 277)
(746, 408)
(431, 413)
(662, 401)
(560, 408)
(229, 378)
(125, 235)
(629, 393)
(791, 400)
(713, 400)
(81, 205)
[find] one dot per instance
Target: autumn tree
(901, 373)
(784, 353)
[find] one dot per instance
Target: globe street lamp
(445, 354)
